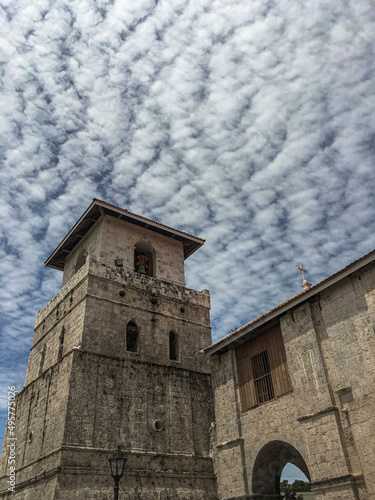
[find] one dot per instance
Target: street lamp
(117, 463)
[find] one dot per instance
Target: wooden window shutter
(279, 367)
(270, 341)
(245, 377)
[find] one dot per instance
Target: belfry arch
(144, 258)
(268, 466)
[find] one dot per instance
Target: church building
(123, 356)
(297, 385)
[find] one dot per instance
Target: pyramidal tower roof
(99, 208)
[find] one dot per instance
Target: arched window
(144, 258)
(173, 346)
(132, 337)
(81, 260)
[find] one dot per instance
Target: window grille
(262, 368)
(262, 377)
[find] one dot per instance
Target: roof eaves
(194, 242)
(150, 220)
(293, 301)
(69, 233)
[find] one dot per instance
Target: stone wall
(327, 424)
(117, 401)
(115, 297)
(110, 239)
(86, 394)
(40, 425)
(89, 247)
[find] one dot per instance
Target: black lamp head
(117, 464)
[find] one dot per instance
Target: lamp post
(117, 464)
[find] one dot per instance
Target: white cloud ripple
(250, 124)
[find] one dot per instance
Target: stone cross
(305, 285)
(300, 267)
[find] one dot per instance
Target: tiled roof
(296, 299)
(93, 213)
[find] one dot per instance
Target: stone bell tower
(113, 363)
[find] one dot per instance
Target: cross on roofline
(300, 267)
(305, 285)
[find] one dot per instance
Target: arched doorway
(268, 467)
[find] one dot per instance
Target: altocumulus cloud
(250, 124)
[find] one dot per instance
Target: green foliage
(290, 490)
(299, 485)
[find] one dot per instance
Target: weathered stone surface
(327, 423)
(112, 239)
(85, 393)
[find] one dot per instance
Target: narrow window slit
(173, 346)
(61, 343)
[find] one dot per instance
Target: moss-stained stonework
(85, 393)
(326, 425)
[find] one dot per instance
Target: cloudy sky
(250, 124)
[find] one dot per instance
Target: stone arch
(144, 258)
(81, 260)
(132, 337)
(268, 467)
